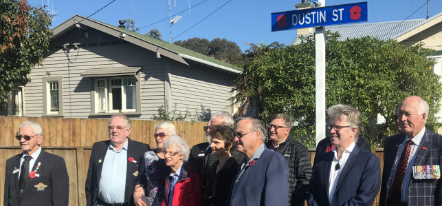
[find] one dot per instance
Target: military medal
(436, 172)
(135, 173)
(40, 186)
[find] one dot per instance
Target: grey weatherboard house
(94, 70)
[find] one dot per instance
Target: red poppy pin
(131, 159)
(252, 163)
(424, 148)
(32, 174)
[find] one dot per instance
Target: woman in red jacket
(183, 185)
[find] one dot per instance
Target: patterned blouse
(155, 172)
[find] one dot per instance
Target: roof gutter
(210, 63)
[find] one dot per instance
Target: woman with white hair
(153, 169)
(183, 185)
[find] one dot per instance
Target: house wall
(98, 51)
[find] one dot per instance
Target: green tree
(154, 33)
(129, 24)
(370, 74)
(24, 40)
(221, 49)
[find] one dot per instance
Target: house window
(16, 102)
(53, 96)
(116, 95)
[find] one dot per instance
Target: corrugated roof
(381, 30)
(183, 52)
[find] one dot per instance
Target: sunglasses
(161, 134)
(239, 134)
(205, 128)
(26, 137)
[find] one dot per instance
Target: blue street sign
(321, 16)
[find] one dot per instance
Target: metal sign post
(320, 17)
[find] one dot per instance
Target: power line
(203, 19)
(405, 19)
(98, 10)
(173, 14)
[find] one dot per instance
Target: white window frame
(97, 94)
(109, 95)
(21, 106)
(47, 96)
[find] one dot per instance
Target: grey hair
(34, 125)
(287, 120)
(257, 125)
(226, 116)
(168, 126)
(128, 123)
(354, 117)
(180, 143)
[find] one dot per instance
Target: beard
(208, 139)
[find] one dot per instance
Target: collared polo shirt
(113, 175)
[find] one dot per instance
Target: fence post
(80, 178)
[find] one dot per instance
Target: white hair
(34, 125)
(225, 116)
(167, 126)
(422, 107)
(126, 119)
(180, 143)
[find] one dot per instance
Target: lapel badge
(424, 148)
(40, 186)
(99, 161)
(131, 159)
(136, 173)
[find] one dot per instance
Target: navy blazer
(52, 173)
(358, 183)
(264, 183)
(420, 192)
(99, 149)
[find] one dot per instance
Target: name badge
(15, 171)
(286, 155)
(201, 155)
(37, 175)
(426, 172)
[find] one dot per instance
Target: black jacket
(134, 149)
(323, 144)
(300, 169)
(50, 187)
(217, 184)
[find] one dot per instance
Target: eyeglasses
(118, 128)
(239, 134)
(26, 137)
(329, 127)
(171, 154)
(161, 135)
(275, 127)
(205, 128)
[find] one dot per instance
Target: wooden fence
(67, 132)
(72, 139)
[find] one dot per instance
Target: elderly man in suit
(262, 178)
(347, 175)
(113, 166)
(35, 177)
(416, 150)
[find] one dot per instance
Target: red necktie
(395, 191)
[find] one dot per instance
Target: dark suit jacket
(358, 183)
(52, 173)
(134, 149)
(264, 183)
(323, 144)
(420, 192)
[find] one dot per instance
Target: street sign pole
(320, 81)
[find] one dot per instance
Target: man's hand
(137, 196)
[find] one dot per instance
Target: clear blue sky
(238, 20)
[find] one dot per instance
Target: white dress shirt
(413, 147)
(31, 162)
(334, 174)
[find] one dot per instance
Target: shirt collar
(34, 156)
(349, 149)
(124, 147)
(257, 153)
(416, 139)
